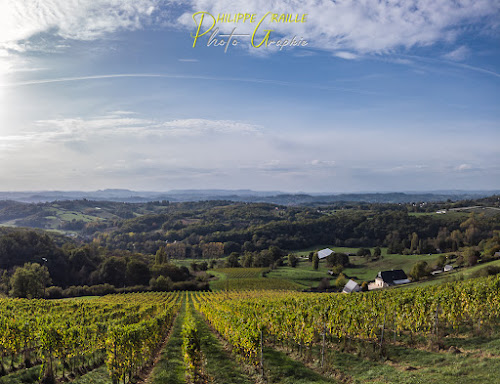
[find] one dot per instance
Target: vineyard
(301, 319)
(322, 338)
(236, 279)
(68, 337)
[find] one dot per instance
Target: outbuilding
(324, 253)
(351, 286)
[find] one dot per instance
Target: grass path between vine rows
(170, 368)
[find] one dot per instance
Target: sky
(147, 95)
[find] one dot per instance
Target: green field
(303, 276)
(254, 283)
(362, 270)
(365, 270)
(248, 279)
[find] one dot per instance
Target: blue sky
(386, 96)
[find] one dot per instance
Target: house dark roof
(390, 276)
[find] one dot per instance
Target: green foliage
(324, 284)
(292, 260)
(341, 281)
(337, 259)
(490, 270)
(191, 349)
(315, 261)
(137, 273)
(441, 261)
(74, 334)
(310, 256)
(161, 283)
(471, 256)
(112, 270)
(337, 269)
(419, 270)
(29, 281)
(232, 260)
(365, 252)
(295, 318)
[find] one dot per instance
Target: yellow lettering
(195, 37)
(266, 38)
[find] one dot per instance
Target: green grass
(479, 362)
(456, 274)
(170, 368)
(23, 376)
(254, 283)
(412, 366)
(303, 274)
(305, 252)
(97, 376)
(249, 279)
(240, 273)
(363, 269)
(69, 216)
(450, 215)
(279, 368)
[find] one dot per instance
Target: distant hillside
(271, 197)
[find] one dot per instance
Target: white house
(351, 286)
(324, 253)
(389, 278)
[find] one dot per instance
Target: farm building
(448, 268)
(389, 278)
(351, 286)
(324, 253)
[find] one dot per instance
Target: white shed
(325, 253)
(351, 286)
(448, 268)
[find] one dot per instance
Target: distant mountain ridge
(242, 195)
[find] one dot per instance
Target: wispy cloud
(458, 54)
(362, 27)
(70, 129)
(20, 20)
(348, 28)
(464, 167)
(346, 55)
(79, 134)
(176, 76)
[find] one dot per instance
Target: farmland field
(248, 279)
(425, 334)
(364, 269)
